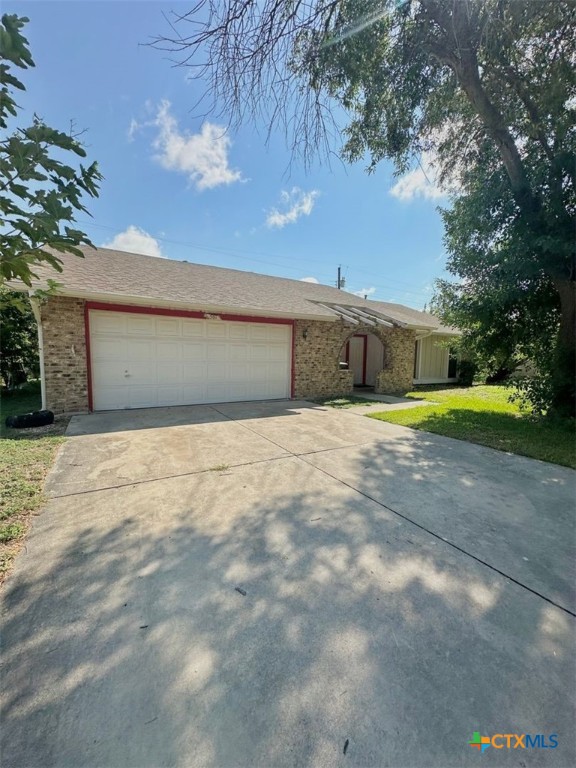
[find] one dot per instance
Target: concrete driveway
(279, 584)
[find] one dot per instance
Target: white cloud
(365, 292)
(133, 128)
(296, 203)
(135, 240)
(421, 182)
(309, 280)
(203, 156)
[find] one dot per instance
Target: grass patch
(26, 455)
(484, 415)
(345, 402)
(11, 531)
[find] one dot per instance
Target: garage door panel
(279, 333)
(108, 349)
(169, 395)
(259, 352)
(258, 371)
(141, 361)
(194, 393)
(194, 351)
(216, 373)
(193, 328)
(108, 398)
(169, 327)
(228, 391)
(112, 374)
(142, 397)
(142, 373)
(106, 322)
(168, 351)
(170, 374)
(239, 353)
(216, 330)
(140, 325)
(139, 350)
(217, 352)
(258, 333)
(194, 372)
(239, 372)
(238, 331)
(276, 353)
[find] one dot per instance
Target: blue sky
(177, 185)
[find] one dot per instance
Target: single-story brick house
(133, 331)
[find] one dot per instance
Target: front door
(357, 359)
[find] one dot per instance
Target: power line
(247, 256)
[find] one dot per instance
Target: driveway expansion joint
(423, 528)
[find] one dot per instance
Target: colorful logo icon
(480, 742)
(514, 741)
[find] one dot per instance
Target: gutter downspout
(38, 317)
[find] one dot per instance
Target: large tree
(40, 193)
(486, 84)
(18, 341)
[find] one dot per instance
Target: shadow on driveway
(126, 643)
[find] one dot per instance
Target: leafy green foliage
(39, 193)
(484, 90)
(18, 340)
(466, 372)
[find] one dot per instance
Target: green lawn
(26, 455)
(484, 415)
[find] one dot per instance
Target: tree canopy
(40, 194)
(484, 89)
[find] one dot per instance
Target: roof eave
(147, 301)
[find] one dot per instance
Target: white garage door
(142, 361)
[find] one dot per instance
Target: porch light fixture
(305, 334)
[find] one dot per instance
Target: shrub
(466, 372)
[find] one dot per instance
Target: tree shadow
(126, 643)
(521, 434)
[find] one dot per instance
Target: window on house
(452, 364)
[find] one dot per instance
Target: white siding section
(432, 361)
(142, 361)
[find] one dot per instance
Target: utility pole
(341, 282)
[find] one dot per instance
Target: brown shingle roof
(118, 276)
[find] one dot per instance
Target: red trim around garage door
(138, 310)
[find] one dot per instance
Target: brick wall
(65, 355)
(316, 357)
(398, 372)
(316, 371)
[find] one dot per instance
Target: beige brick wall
(65, 371)
(398, 372)
(316, 357)
(316, 371)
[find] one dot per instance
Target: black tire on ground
(27, 420)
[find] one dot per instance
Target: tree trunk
(564, 375)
